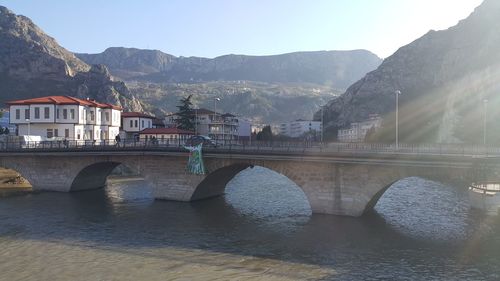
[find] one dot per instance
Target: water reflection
(268, 198)
(261, 229)
(426, 209)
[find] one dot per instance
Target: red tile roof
(137, 114)
(166, 131)
(63, 100)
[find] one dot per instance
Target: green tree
(266, 134)
(185, 116)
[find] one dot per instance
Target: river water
(262, 229)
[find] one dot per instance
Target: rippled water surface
(262, 229)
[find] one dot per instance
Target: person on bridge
(117, 140)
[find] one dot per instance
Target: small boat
(485, 196)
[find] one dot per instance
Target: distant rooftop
(137, 114)
(63, 100)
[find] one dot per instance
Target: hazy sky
(211, 28)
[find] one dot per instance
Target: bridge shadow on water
(234, 224)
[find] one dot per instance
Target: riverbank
(12, 183)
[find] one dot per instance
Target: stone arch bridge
(335, 183)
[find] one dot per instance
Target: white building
(217, 126)
(134, 122)
(244, 130)
(65, 117)
(165, 135)
(299, 127)
(357, 131)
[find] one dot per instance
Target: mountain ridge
(33, 64)
(333, 68)
(444, 76)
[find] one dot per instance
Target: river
(262, 229)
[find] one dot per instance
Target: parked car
(196, 140)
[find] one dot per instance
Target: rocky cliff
(337, 69)
(449, 80)
(32, 64)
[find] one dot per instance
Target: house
(165, 135)
(134, 122)
(357, 131)
(299, 127)
(244, 130)
(64, 116)
(216, 125)
(158, 123)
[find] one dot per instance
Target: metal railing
(262, 147)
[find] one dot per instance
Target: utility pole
(322, 124)
(196, 121)
(398, 92)
(485, 108)
(215, 114)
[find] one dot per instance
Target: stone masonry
(332, 186)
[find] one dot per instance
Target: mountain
(450, 85)
(337, 69)
(32, 64)
(262, 102)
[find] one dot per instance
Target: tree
(185, 116)
(266, 134)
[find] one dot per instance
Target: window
(107, 116)
(65, 113)
(37, 112)
(56, 132)
(136, 122)
(78, 134)
(27, 113)
(57, 113)
(72, 113)
(91, 115)
(46, 112)
(131, 123)
(66, 133)
(50, 133)
(142, 123)
(18, 114)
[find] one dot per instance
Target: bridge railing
(292, 147)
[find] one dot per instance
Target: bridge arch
(214, 184)
(93, 176)
(384, 181)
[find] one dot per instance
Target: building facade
(65, 117)
(219, 127)
(165, 135)
(299, 128)
(135, 122)
(358, 130)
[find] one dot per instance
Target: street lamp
(485, 107)
(397, 92)
(195, 121)
(215, 111)
(29, 126)
(322, 125)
